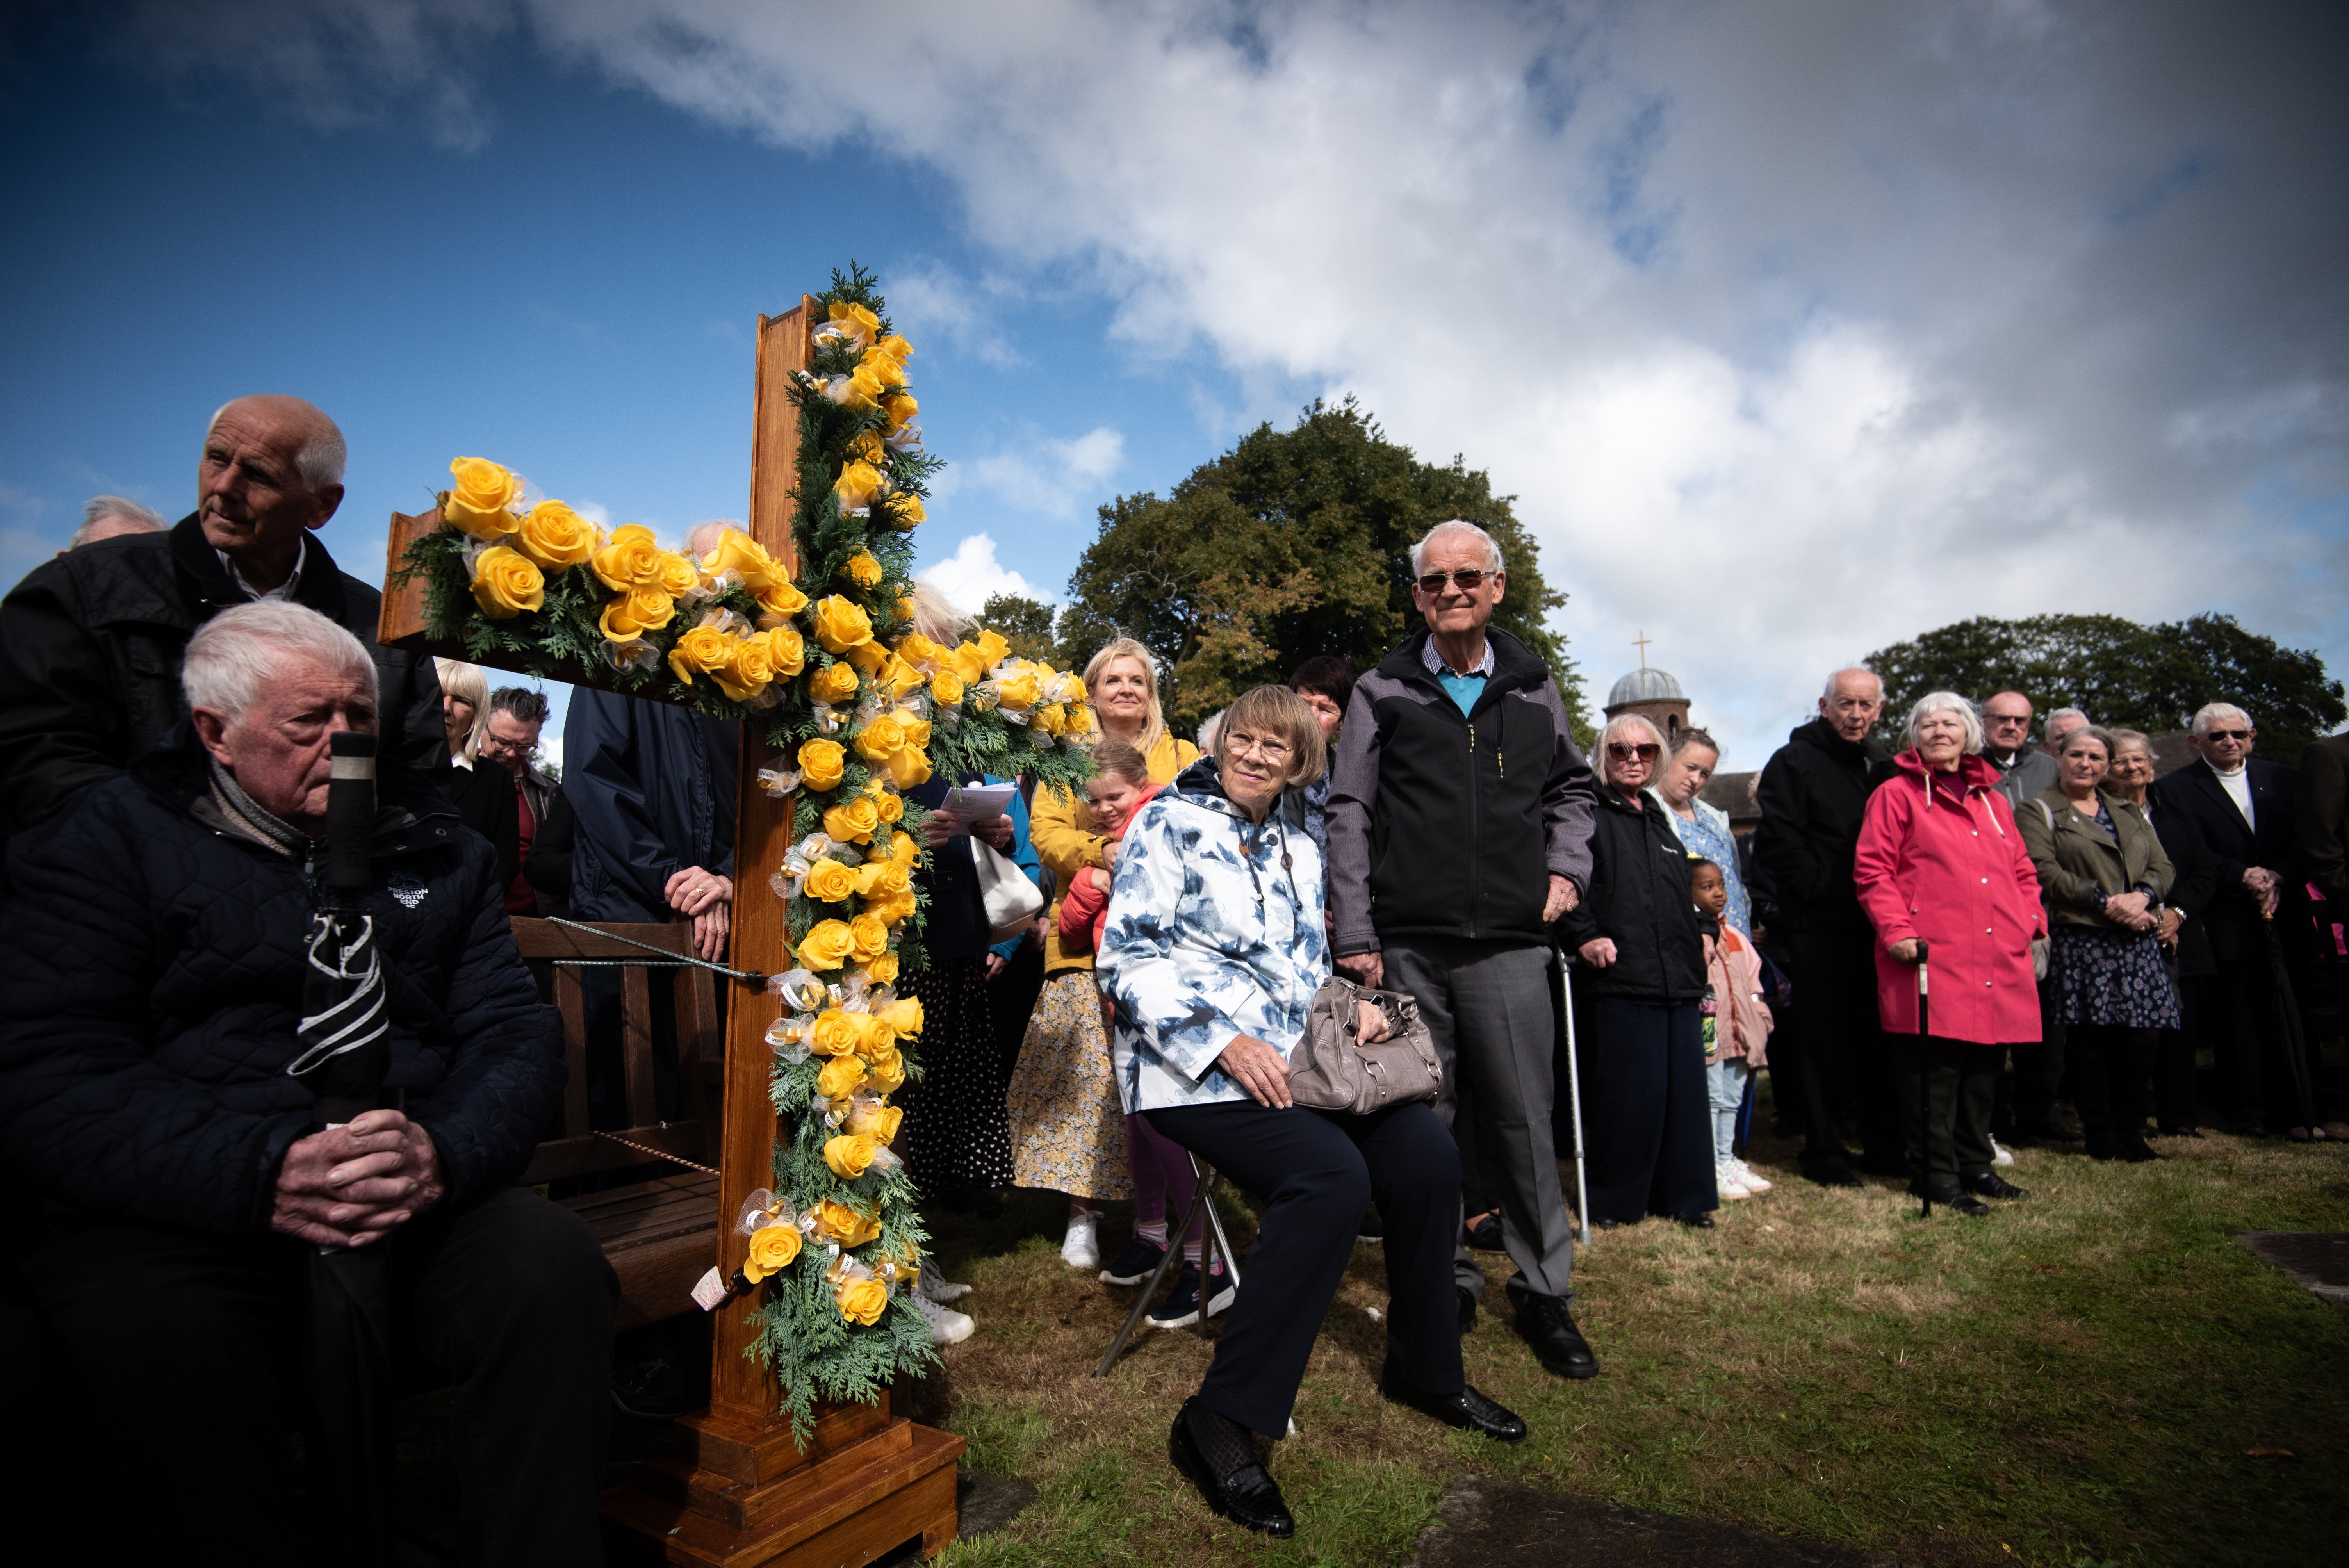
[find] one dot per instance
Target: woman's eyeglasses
(1243, 743)
(1466, 582)
(1645, 751)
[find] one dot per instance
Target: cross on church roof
(1640, 643)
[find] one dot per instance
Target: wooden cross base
(740, 1493)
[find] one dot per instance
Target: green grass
(2076, 1379)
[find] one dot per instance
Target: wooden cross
(739, 1490)
(1640, 643)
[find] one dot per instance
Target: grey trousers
(1489, 1007)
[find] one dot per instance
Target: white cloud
(971, 576)
(1050, 477)
(928, 299)
(1795, 330)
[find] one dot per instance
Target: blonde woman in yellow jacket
(1069, 1132)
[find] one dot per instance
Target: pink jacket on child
(1742, 1021)
(1084, 908)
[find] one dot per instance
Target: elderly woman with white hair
(1646, 1112)
(1945, 878)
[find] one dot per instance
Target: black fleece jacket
(1813, 794)
(1445, 824)
(90, 645)
(1640, 899)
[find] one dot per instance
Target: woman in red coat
(1942, 865)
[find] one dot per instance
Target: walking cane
(1573, 1086)
(1924, 1089)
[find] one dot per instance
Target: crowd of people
(1929, 952)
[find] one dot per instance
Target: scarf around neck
(249, 818)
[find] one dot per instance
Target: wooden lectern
(739, 1489)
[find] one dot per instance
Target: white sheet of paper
(980, 802)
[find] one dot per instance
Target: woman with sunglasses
(1646, 1116)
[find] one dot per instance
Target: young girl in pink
(1735, 1026)
(1120, 789)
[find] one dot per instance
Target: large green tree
(2120, 672)
(1293, 544)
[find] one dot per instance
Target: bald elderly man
(90, 643)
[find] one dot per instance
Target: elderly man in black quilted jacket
(150, 987)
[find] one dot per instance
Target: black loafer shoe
(1468, 1410)
(1484, 1234)
(1467, 1310)
(1699, 1222)
(1958, 1198)
(1546, 1325)
(1991, 1185)
(1247, 1497)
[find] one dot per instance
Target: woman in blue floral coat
(1213, 953)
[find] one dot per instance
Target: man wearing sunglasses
(1459, 823)
(2244, 808)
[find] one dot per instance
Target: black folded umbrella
(346, 1052)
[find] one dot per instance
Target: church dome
(1645, 686)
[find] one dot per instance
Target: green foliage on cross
(2121, 674)
(1293, 544)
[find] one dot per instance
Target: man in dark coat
(2245, 810)
(1459, 824)
(2186, 926)
(2324, 819)
(1826, 1052)
(152, 959)
(90, 642)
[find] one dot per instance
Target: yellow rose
(905, 850)
(839, 1077)
(863, 570)
(505, 583)
(900, 409)
(1051, 718)
(906, 510)
(877, 740)
(867, 877)
(888, 1070)
(740, 553)
(834, 683)
(890, 877)
(871, 937)
(867, 326)
(637, 611)
(849, 1155)
(829, 882)
(890, 908)
(891, 805)
(630, 558)
(992, 645)
(780, 598)
(836, 1221)
(1081, 721)
(883, 969)
(841, 626)
(853, 821)
(1020, 691)
(747, 672)
(820, 763)
(836, 1034)
(703, 650)
(899, 677)
(969, 664)
(677, 573)
(556, 537)
(874, 375)
(862, 1300)
(857, 485)
(785, 651)
(867, 449)
(870, 657)
(826, 945)
(945, 689)
(895, 347)
(480, 499)
(878, 1122)
(917, 732)
(909, 768)
(903, 1017)
(772, 1248)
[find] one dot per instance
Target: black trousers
(2038, 1072)
(1951, 1138)
(2109, 1069)
(1838, 1064)
(1646, 1117)
(190, 1340)
(1318, 1170)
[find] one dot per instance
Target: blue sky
(1796, 330)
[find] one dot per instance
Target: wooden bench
(660, 1233)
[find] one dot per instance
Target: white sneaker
(935, 1287)
(1079, 1249)
(1999, 1154)
(1724, 1180)
(947, 1326)
(1748, 1179)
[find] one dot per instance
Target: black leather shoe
(1697, 1222)
(1991, 1185)
(1952, 1196)
(1247, 1495)
(1546, 1325)
(1484, 1234)
(1468, 1410)
(1833, 1176)
(1467, 1309)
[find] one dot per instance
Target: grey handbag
(1012, 901)
(1331, 1069)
